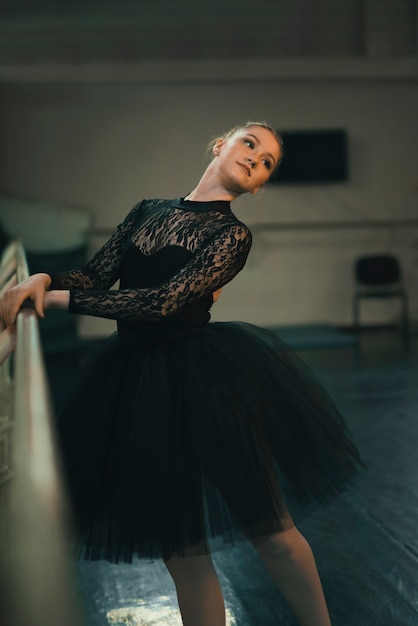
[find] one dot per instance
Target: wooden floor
(366, 544)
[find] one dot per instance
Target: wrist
(57, 299)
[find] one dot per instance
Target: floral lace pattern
(216, 241)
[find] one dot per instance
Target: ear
(219, 143)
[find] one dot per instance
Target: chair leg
(356, 325)
(356, 313)
(405, 321)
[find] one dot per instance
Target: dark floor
(366, 544)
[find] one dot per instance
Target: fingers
(38, 303)
(7, 344)
(9, 311)
(11, 304)
(216, 294)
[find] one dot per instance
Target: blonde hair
(242, 127)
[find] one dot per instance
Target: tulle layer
(170, 441)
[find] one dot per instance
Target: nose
(251, 161)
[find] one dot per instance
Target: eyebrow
(258, 141)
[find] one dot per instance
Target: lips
(245, 167)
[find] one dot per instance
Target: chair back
(382, 269)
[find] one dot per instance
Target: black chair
(380, 276)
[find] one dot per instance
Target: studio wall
(106, 144)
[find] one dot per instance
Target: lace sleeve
(212, 267)
(102, 271)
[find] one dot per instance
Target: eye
(267, 164)
(249, 143)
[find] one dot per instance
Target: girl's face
(247, 159)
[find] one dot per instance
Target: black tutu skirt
(170, 441)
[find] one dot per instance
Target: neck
(209, 195)
(210, 188)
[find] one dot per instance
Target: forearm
(74, 278)
(212, 267)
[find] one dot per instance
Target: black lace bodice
(169, 256)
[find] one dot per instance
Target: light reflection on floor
(159, 612)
